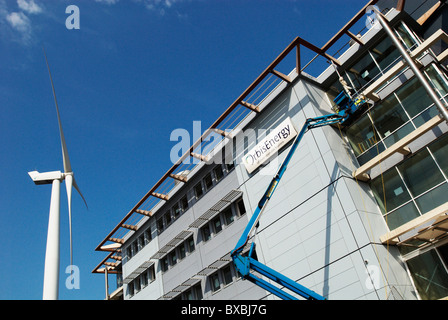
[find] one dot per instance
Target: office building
(361, 211)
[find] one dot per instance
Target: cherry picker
(345, 109)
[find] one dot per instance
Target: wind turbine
(51, 273)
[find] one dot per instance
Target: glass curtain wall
(415, 186)
(430, 273)
(400, 113)
(396, 116)
(376, 61)
(419, 183)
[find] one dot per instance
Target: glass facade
(430, 274)
(403, 193)
(419, 183)
(395, 117)
(375, 62)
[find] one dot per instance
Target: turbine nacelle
(47, 177)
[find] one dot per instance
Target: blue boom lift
(345, 110)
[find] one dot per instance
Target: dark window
(190, 244)
(184, 203)
(228, 216)
(218, 173)
(208, 181)
(217, 226)
(227, 275)
(241, 207)
(206, 234)
(214, 282)
(198, 190)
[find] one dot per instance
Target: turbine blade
(65, 158)
(79, 191)
(68, 185)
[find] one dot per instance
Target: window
(184, 203)
(140, 282)
(197, 292)
(241, 208)
(228, 215)
(221, 278)
(194, 293)
(221, 220)
(190, 245)
(378, 60)
(168, 218)
(443, 250)
(413, 168)
(134, 247)
(394, 192)
(177, 254)
(215, 284)
(439, 150)
(129, 252)
(137, 285)
(413, 97)
(182, 251)
(388, 117)
(151, 273)
(141, 241)
(148, 236)
(198, 190)
(218, 173)
(361, 135)
(217, 226)
(160, 226)
(173, 257)
(401, 192)
(131, 289)
(144, 279)
(375, 62)
(164, 265)
(364, 71)
(430, 275)
(187, 295)
(385, 53)
(406, 36)
(227, 275)
(438, 79)
(176, 210)
(206, 233)
(208, 181)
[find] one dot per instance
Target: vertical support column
(410, 61)
(106, 275)
(51, 273)
(298, 62)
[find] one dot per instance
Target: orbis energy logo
(269, 146)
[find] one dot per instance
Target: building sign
(269, 146)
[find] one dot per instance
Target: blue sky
(134, 71)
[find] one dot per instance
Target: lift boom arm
(246, 263)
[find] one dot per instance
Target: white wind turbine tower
(51, 273)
